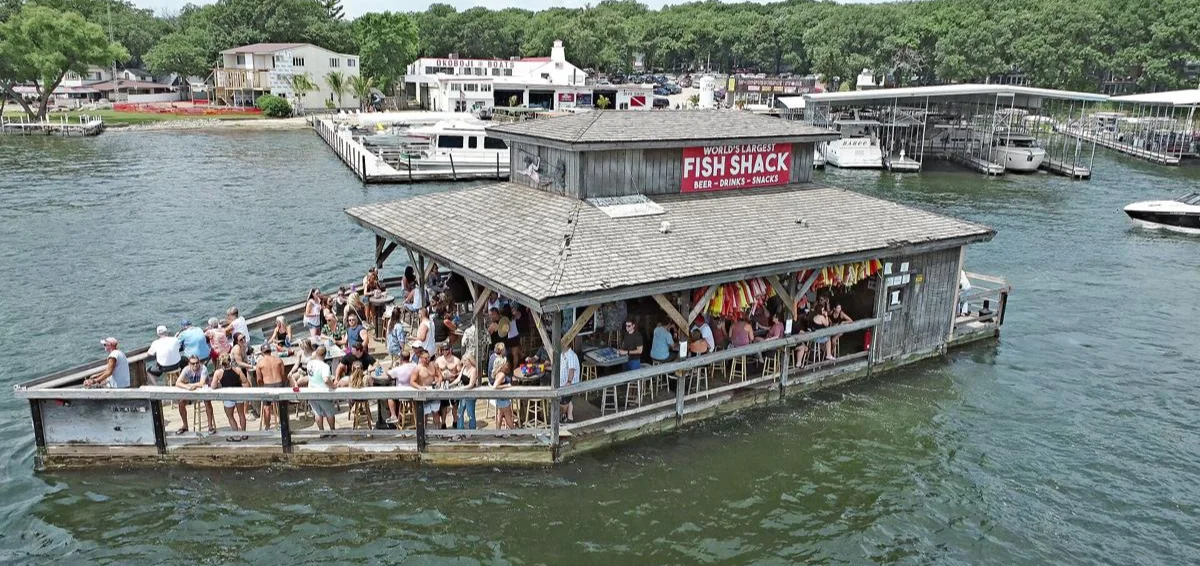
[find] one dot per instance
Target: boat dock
(977, 163)
(1107, 141)
(1059, 167)
(595, 267)
(63, 126)
(374, 168)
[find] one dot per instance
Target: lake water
(1071, 440)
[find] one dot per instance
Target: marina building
(250, 71)
(614, 224)
(452, 84)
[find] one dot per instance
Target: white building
(469, 85)
(250, 71)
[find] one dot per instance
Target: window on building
(334, 62)
(350, 63)
(473, 142)
(459, 106)
(558, 65)
(508, 72)
(241, 60)
(495, 72)
(430, 70)
(454, 86)
(479, 71)
(450, 142)
(471, 87)
(494, 143)
(297, 61)
(485, 88)
(545, 75)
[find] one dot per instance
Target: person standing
(320, 379)
(502, 379)
(194, 376)
(425, 331)
(165, 350)
(395, 335)
(230, 376)
(660, 343)
(271, 373)
(568, 374)
(217, 340)
(632, 345)
(468, 378)
(312, 312)
(116, 368)
(237, 323)
(195, 343)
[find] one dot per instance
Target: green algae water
(1071, 440)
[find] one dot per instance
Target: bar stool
(360, 412)
(633, 393)
(718, 366)
(699, 374)
(608, 401)
(535, 413)
(771, 363)
(197, 421)
(587, 371)
(737, 369)
(405, 414)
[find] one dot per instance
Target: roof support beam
(783, 293)
(579, 322)
(383, 250)
(703, 302)
(671, 311)
(546, 341)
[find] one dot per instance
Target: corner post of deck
(160, 435)
(555, 353)
(285, 427)
(785, 368)
(880, 308)
(39, 431)
(418, 410)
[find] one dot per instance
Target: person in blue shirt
(194, 341)
(661, 342)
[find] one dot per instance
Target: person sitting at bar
(356, 333)
(450, 323)
(697, 344)
(319, 379)
(271, 373)
(706, 332)
(498, 352)
(741, 334)
(720, 333)
(354, 307)
(632, 345)
(194, 341)
(837, 316)
(166, 352)
(299, 372)
(661, 341)
(194, 376)
(774, 328)
(370, 282)
(412, 296)
(358, 378)
(237, 323)
(281, 335)
(329, 317)
(240, 353)
(820, 321)
(568, 374)
(116, 368)
(218, 341)
(356, 354)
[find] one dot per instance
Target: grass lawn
(115, 117)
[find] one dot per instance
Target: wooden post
(1003, 306)
(703, 302)
(39, 430)
(672, 313)
(880, 313)
(160, 435)
(421, 281)
(547, 342)
(783, 294)
(285, 427)
(555, 351)
(418, 410)
(785, 368)
(958, 275)
(680, 390)
(453, 172)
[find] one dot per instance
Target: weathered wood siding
(619, 172)
(923, 322)
(558, 170)
(102, 422)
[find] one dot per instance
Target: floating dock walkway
(1127, 149)
(1059, 167)
(64, 126)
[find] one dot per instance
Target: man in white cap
(116, 369)
(166, 351)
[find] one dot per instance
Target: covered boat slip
(590, 250)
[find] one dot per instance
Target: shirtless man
(426, 377)
(271, 373)
(448, 367)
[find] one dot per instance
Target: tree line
(1069, 44)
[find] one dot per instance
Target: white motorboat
(453, 145)
(819, 157)
(1179, 215)
(1017, 151)
(859, 147)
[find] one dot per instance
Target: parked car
(660, 102)
(673, 88)
(661, 91)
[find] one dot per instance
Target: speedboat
(1179, 215)
(1017, 152)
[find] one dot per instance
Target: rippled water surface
(1072, 440)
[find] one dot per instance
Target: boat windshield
(1190, 198)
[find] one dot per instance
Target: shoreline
(255, 124)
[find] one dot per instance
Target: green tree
(186, 52)
(301, 84)
(336, 82)
(602, 102)
(387, 45)
(41, 45)
(361, 87)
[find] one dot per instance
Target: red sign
(637, 102)
(722, 167)
(566, 97)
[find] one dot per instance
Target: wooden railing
(242, 79)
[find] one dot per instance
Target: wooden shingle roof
(632, 127)
(553, 251)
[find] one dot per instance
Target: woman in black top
(226, 376)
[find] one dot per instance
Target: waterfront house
(250, 71)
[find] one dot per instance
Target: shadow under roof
(632, 128)
(552, 252)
